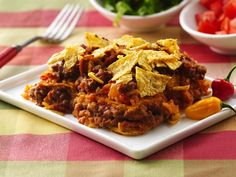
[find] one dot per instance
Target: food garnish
(223, 88)
(206, 107)
(127, 85)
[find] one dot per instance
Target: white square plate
(136, 147)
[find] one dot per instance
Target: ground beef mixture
(97, 110)
(101, 103)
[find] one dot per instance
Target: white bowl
(141, 23)
(223, 44)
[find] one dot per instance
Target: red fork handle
(8, 54)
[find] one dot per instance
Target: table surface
(32, 146)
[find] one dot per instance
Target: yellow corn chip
(142, 46)
(143, 61)
(170, 45)
(130, 41)
(93, 40)
(57, 57)
(153, 55)
(100, 52)
(159, 64)
(123, 65)
(160, 59)
(124, 79)
(150, 83)
(174, 64)
(71, 54)
(72, 61)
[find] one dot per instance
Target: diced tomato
(224, 26)
(232, 26)
(206, 22)
(230, 9)
(198, 18)
(219, 18)
(206, 3)
(206, 16)
(206, 27)
(216, 7)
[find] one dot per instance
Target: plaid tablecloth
(32, 146)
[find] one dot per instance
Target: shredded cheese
(94, 77)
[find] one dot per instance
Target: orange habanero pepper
(205, 107)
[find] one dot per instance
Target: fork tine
(70, 25)
(58, 17)
(59, 21)
(67, 23)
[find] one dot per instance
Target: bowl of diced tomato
(212, 22)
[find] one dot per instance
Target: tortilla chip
(159, 64)
(142, 46)
(98, 53)
(123, 65)
(124, 79)
(159, 59)
(174, 64)
(130, 41)
(170, 45)
(71, 54)
(95, 41)
(150, 83)
(153, 55)
(71, 62)
(143, 61)
(57, 57)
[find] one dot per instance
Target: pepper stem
(224, 105)
(231, 71)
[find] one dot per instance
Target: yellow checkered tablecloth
(32, 146)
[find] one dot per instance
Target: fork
(59, 30)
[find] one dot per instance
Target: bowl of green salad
(139, 15)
